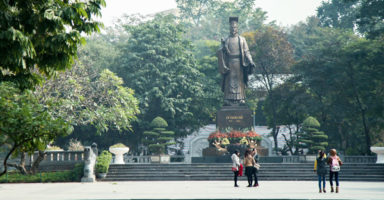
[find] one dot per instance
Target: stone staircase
(268, 171)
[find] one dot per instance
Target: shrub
(159, 137)
(54, 148)
(75, 145)
(118, 145)
(159, 122)
(310, 137)
(103, 161)
(156, 148)
(380, 144)
(45, 177)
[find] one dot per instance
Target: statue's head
(233, 25)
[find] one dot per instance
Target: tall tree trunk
(6, 159)
(36, 163)
(21, 165)
(275, 132)
(366, 132)
(364, 122)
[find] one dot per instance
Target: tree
(295, 102)
(341, 71)
(158, 64)
(208, 19)
(42, 35)
(310, 137)
(27, 125)
(83, 96)
(370, 18)
(158, 138)
(338, 13)
(365, 15)
(273, 55)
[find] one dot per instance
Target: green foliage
(366, 15)
(85, 96)
(46, 177)
(310, 137)
(54, 148)
(311, 122)
(42, 35)
(338, 13)
(380, 144)
(157, 149)
(159, 122)
(118, 145)
(158, 138)
(28, 125)
(103, 161)
(340, 71)
(151, 133)
(208, 19)
(273, 55)
(157, 62)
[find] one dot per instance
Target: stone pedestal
(119, 152)
(236, 117)
(380, 153)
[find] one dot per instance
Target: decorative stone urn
(380, 153)
(119, 152)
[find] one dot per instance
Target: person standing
(249, 163)
(256, 166)
(321, 169)
(334, 162)
(235, 165)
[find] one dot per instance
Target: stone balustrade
(59, 156)
(129, 159)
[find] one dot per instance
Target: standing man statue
(235, 64)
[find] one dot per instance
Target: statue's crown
(236, 19)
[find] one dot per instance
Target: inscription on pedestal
(237, 117)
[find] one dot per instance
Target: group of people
(321, 167)
(251, 166)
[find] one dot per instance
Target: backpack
(335, 166)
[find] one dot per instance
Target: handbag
(335, 169)
(234, 169)
(257, 166)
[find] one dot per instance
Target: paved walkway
(187, 190)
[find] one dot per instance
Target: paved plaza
(187, 190)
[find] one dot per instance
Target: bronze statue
(235, 64)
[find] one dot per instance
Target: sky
(284, 12)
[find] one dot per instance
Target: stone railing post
(90, 154)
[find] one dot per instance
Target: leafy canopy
(42, 35)
(157, 62)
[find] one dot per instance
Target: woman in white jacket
(235, 165)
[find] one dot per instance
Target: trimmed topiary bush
(159, 122)
(159, 137)
(310, 137)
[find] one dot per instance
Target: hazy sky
(285, 12)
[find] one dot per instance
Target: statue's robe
(234, 64)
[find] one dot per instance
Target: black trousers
(336, 174)
(236, 174)
(255, 175)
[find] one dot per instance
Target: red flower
(217, 135)
(252, 134)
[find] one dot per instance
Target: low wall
(53, 160)
(284, 159)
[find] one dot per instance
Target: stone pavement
(187, 190)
